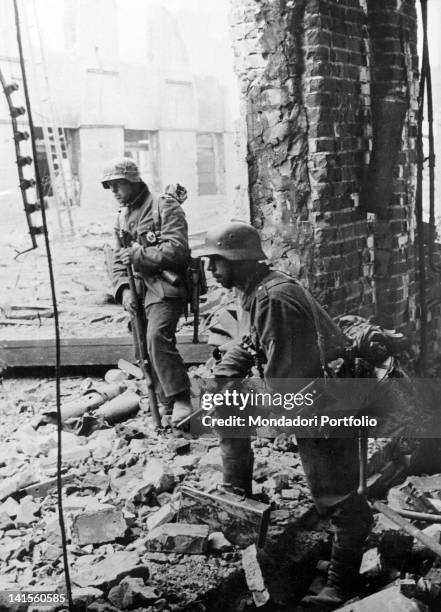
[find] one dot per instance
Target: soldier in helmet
(284, 338)
(157, 246)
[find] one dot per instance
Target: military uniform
(159, 249)
(284, 337)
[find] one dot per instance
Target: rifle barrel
(138, 336)
(140, 345)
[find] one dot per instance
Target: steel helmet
(121, 168)
(235, 241)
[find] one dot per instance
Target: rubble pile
(399, 571)
(137, 538)
(128, 548)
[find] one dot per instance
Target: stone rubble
(98, 526)
(254, 576)
(126, 544)
(179, 538)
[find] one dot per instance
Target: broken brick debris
(217, 542)
(75, 454)
(110, 571)
(159, 476)
(417, 499)
(25, 477)
(165, 514)
(178, 538)
(211, 460)
(123, 455)
(254, 576)
(84, 596)
(132, 593)
(178, 445)
(80, 502)
(291, 494)
(186, 461)
(5, 521)
(420, 549)
(10, 507)
(428, 588)
(371, 564)
(130, 369)
(389, 599)
(26, 512)
(164, 498)
(138, 445)
(98, 526)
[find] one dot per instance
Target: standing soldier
(155, 242)
(284, 343)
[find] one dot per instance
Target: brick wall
(329, 93)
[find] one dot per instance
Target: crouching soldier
(154, 237)
(284, 336)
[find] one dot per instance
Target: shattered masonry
(329, 92)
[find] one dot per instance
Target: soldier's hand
(129, 304)
(126, 256)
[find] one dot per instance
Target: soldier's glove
(126, 256)
(128, 302)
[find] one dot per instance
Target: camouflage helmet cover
(121, 168)
(235, 241)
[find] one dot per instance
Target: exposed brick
(318, 37)
(341, 63)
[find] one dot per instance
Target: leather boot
(182, 407)
(237, 464)
(342, 582)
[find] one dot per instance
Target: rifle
(138, 330)
(195, 271)
(198, 286)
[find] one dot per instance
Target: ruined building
(149, 104)
(330, 96)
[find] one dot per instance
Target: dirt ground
(81, 278)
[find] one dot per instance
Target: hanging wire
(419, 213)
(55, 309)
(431, 158)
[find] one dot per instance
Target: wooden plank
(87, 351)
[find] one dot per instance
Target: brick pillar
(313, 74)
(391, 172)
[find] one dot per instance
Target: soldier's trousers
(331, 468)
(169, 371)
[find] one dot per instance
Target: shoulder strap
(318, 329)
(156, 211)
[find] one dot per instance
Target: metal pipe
(408, 527)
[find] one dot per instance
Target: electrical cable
(428, 75)
(39, 190)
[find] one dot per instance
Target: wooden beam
(87, 351)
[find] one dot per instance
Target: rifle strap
(317, 324)
(156, 212)
(318, 330)
(123, 218)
